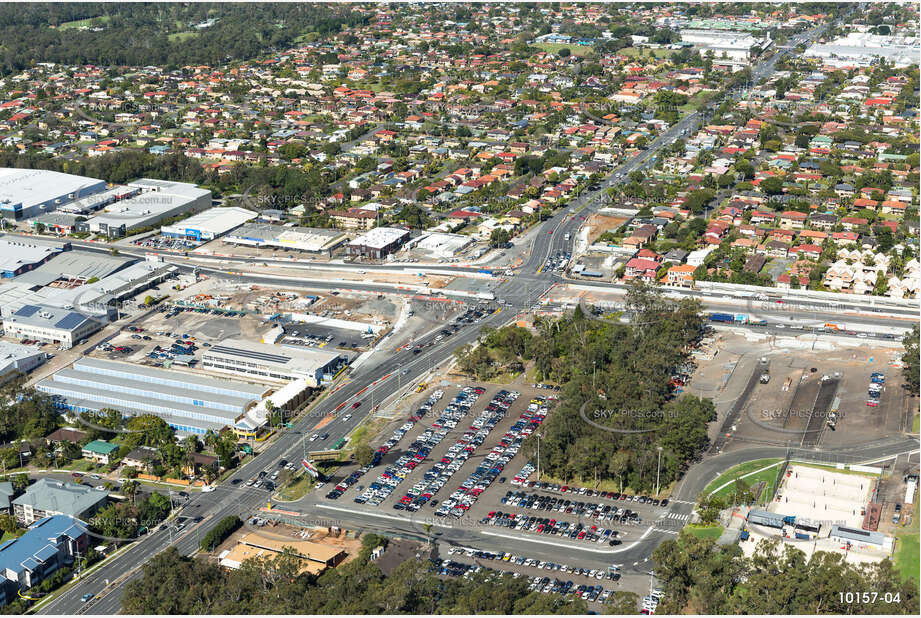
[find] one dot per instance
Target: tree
(149, 300)
(912, 364)
(499, 236)
(564, 52)
(364, 455)
(772, 185)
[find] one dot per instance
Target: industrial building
(378, 242)
(47, 498)
(63, 327)
(189, 403)
(311, 240)
(440, 245)
(18, 359)
(725, 44)
(208, 225)
(88, 282)
(27, 193)
(157, 200)
(48, 545)
(856, 538)
(863, 49)
(20, 255)
(269, 362)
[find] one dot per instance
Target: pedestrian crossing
(678, 516)
(662, 530)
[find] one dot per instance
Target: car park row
(383, 449)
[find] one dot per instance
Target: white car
(207, 489)
(314, 437)
(346, 417)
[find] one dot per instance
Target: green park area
(723, 485)
(712, 532)
(575, 50)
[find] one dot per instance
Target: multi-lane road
(380, 380)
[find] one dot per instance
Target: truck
(722, 317)
(566, 237)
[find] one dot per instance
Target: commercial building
(378, 242)
(27, 193)
(725, 44)
(315, 557)
(863, 49)
(156, 201)
(46, 498)
(270, 362)
(210, 224)
(19, 255)
(442, 245)
(48, 545)
(189, 403)
(55, 325)
(18, 359)
(311, 240)
(86, 282)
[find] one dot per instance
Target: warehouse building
(157, 200)
(269, 362)
(440, 245)
(378, 242)
(27, 193)
(47, 498)
(189, 403)
(20, 255)
(54, 325)
(18, 359)
(856, 538)
(208, 225)
(725, 44)
(88, 283)
(863, 49)
(308, 239)
(48, 545)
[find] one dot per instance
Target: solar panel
(71, 320)
(27, 310)
(854, 531)
(272, 358)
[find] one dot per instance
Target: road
(378, 381)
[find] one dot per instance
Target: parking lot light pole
(658, 467)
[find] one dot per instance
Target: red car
(356, 404)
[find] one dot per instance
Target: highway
(518, 293)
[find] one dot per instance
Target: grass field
(916, 424)
(694, 103)
(907, 560)
(741, 470)
(577, 50)
(634, 52)
(83, 23)
(704, 532)
(298, 489)
(179, 37)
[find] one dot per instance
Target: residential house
(47, 497)
(99, 451)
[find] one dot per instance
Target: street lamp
(658, 468)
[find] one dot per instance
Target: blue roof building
(49, 544)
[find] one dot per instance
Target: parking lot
(592, 585)
(165, 243)
(459, 458)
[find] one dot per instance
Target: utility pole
(658, 468)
